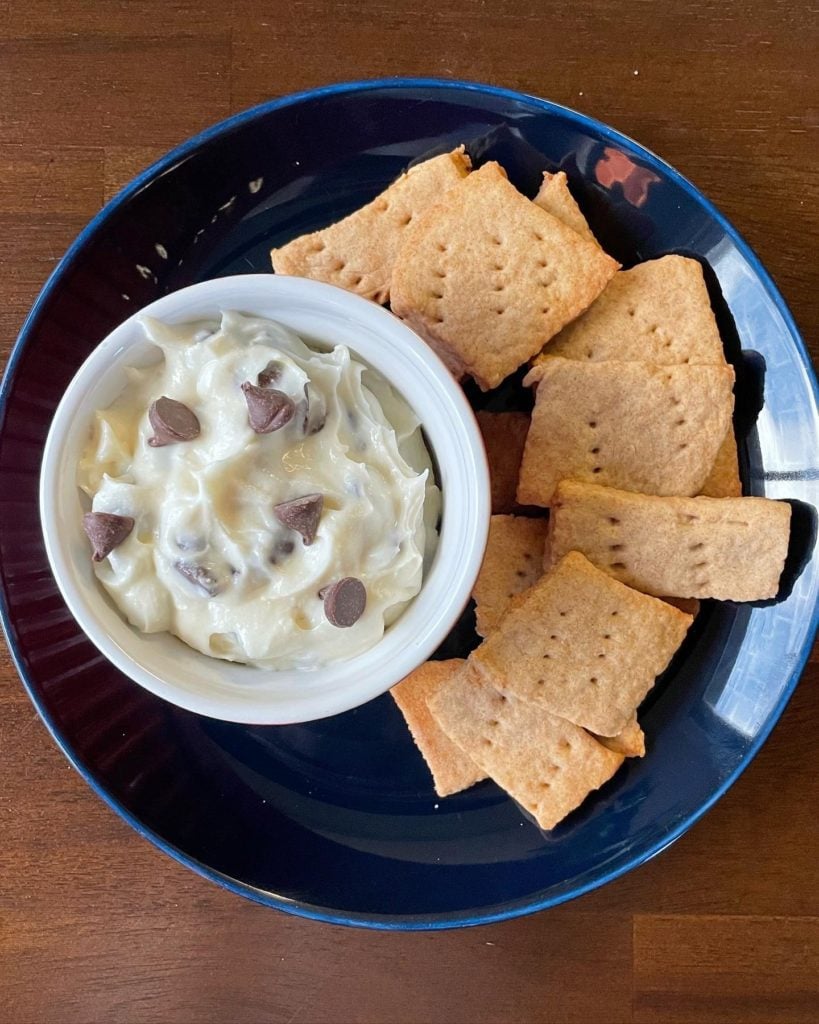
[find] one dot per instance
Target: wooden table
(98, 926)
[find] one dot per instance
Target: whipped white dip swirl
(208, 558)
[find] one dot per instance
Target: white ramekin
(240, 693)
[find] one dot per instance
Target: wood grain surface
(98, 926)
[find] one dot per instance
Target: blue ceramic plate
(337, 819)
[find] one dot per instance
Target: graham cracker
(657, 312)
(731, 549)
(689, 605)
(504, 435)
(452, 770)
(631, 742)
(723, 481)
(555, 198)
(358, 252)
(546, 764)
(655, 429)
(488, 277)
(582, 646)
(513, 562)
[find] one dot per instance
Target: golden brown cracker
(583, 646)
(657, 312)
(358, 252)
(487, 277)
(723, 481)
(689, 605)
(544, 762)
(513, 562)
(452, 770)
(504, 435)
(631, 742)
(732, 549)
(655, 429)
(555, 197)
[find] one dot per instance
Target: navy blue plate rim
(384, 922)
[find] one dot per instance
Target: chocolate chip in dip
(106, 531)
(172, 422)
(270, 374)
(201, 576)
(344, 601)
(267, 408)
(301, 514)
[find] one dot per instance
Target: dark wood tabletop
(98, 926)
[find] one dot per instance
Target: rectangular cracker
(358, 252)
(732, 549)
(657, 312)
(513, 562)
(452, 770)
(555, 198)
(723, 481)
(655, 429)
(631, 742)
(504, 435)
(583, 646)
(689, 605)
(545, 763)
(488, 277)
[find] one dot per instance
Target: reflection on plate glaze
(615, 168)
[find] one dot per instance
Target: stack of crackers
(626, 470)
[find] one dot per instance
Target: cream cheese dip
(264, 501)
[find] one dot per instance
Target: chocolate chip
(301, 514)
(200, 576)
(106, 531)
(172, 422)
(344, 601)
(267, 409)
(281, 549)
(270, 374)
(315, 411)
